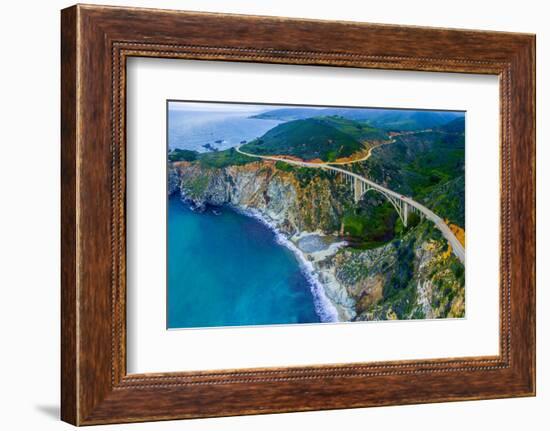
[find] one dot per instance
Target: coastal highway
(447, 233)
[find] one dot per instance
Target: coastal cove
(248, 263)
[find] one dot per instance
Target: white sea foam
(324, 308)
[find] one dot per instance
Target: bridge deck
(448, 234)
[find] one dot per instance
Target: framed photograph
(266, 215)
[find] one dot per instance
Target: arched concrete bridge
(361, 185)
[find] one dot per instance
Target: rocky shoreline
(413, 277)
(332, 302)
(326, 307)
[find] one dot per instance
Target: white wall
(29, 215)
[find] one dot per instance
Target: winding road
(448, 234)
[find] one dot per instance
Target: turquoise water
(228, 269)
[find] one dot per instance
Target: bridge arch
(360, 187)
(400, 207)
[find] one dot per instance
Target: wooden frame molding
(95, 43)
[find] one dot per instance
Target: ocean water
(190, 130)
(231, 269)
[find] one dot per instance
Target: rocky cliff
(293, 203)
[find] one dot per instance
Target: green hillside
(311, 138)
(458, 125)
(222, 159)
(214, 159)
(400, 120)
(178, 155)
(447, 200)
(429, 167)
(356, 129)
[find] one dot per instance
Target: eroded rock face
(292, 206)
(415, 276)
